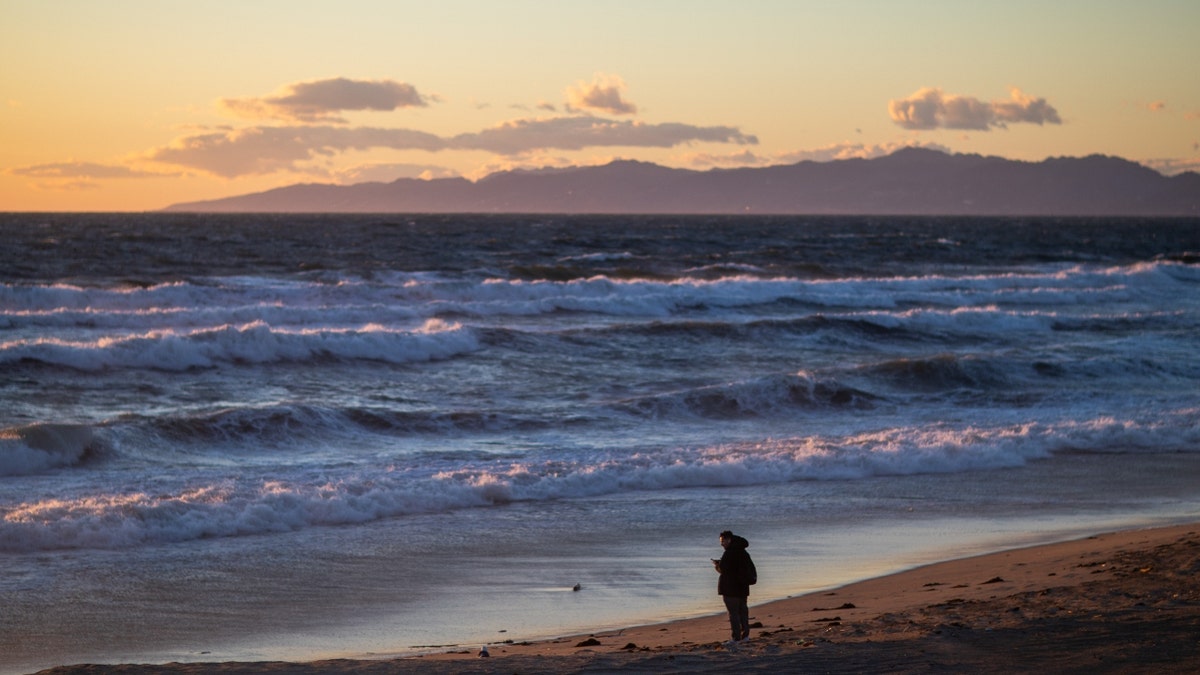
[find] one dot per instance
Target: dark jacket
(734, 566)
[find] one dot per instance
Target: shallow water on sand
(391, 588)
(297, 436)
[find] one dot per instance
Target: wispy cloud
(1172, 167)
(584, 131)
(386, 173)
(732, 159)
(931, 108)
(322, 101)
(838, 151)
(827, 153)
(303, 132)
(79, 176)
(82, 170)
(602, 94)
(264, 150)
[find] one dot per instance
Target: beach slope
(1126, 602)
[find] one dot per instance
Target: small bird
(483, 652)
(576, 587)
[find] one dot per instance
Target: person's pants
(739, 616)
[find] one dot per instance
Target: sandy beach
(1125, 602)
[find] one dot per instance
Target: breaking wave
(36, 448)
(252, 343)
(230, 507)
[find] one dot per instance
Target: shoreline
(1125, 601)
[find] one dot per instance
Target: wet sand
(1123, 602)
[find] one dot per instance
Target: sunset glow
(135, 105)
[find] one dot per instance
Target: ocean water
(261, 437)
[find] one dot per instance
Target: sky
(133, 105)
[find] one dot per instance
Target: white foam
(41, 447)
(230, 506)
(255, 342)
(598, 257)
(409, 296)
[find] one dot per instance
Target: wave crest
(255, 342)
(235, 507)
(750, 398)
(36, 448)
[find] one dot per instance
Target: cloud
(322, 100)
(79, 176)
(83, 170)
(836, 151)
(735, 159)
(579, 132)
(602, 94)
(533, 162)
(386, 173)
(69, 185)
(1173, 167)
(931, 108)
(263, 150)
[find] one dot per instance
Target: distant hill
(912, 181)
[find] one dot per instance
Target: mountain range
(911, 181)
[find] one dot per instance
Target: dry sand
(1125, 602)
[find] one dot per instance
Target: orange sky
(134, 105)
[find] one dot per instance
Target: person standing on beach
(736, 570)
